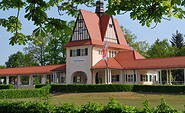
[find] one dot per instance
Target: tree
(37, 48)
(160, 49)
(20, 60)
(146, 11)
(49, 49)
(55, 50)
(139, 46)
(177, 41)
(2, 66)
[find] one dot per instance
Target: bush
(72, 88)
(159, 88)
(4, 86)
(24, 93)
(111, 107)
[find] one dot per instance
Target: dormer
(80, 31)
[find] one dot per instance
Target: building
(96, 35)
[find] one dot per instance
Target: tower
(99, 8)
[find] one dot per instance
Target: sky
(163, 30)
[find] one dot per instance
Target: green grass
(126, 98)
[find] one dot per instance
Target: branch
(166, 18)
(18, 11)
(155, 25)
(123, 13)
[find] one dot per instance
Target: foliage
(25, 93)
(177, 40)
(164, 108)
(19, 60)
(9, 86)
(112, 107)
(160, 49)
(37, 12)
(139, 46)
(49, 49)
(148, 11)
(91, 108)
(73, 88)
(2, 66)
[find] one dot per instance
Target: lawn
(125, 98)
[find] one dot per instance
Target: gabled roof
(33, 70)
(109, 63)
(132, 60)
(97, 28)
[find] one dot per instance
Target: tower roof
(96, 28)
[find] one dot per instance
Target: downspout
(92, 63)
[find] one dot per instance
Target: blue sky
(165, 29)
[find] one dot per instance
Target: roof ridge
(118, 62)
(87, 11)
(33, 66)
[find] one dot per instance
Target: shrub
(111, 107)
(4, 86)
(72, 88)
(24, 93)
(159, 88)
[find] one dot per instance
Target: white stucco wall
(78, 63)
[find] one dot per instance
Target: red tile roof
(110, 63)
(121, 37)
(33, 70)
(97, 28)
(131, 59)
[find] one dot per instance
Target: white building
(121, 64)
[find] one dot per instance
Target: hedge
(112, 107)
(24, 93)
(72, 88)
(4, 86)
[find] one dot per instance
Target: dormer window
(110, 25)
(80, 30)
(80, 20)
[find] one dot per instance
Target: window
(74, 53)
(100, 52)
(63, 79)
(79, 52)
(83, 52)
(71, 53)
(86, 51)
(144, 77)
(80, 20)
(77, 79)
(115, 78)
(80, 30)
(130, 78)
(110, 25)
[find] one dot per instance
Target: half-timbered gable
(80, 30)
(110, 34)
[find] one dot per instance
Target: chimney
(99, 8)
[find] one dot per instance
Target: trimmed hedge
(24, 93)
(112, 107)
(159, 88)
(4, 86)
(72, 88)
